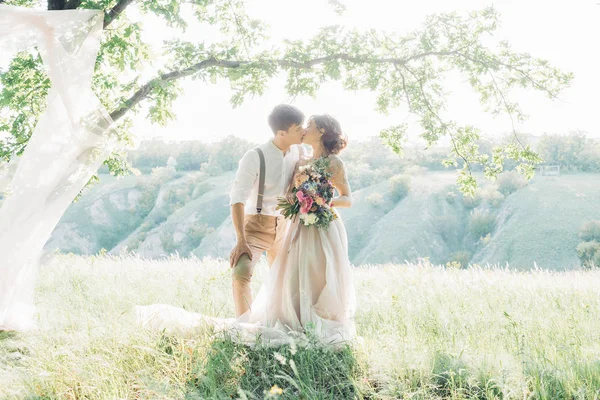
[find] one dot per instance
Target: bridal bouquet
(313, 193)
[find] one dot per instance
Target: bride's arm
(340, 182)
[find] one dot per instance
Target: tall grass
(427, 333)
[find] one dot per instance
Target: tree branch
(525, 74)
(114, 12)
(146, 89)
(408, 101)
(435, 114)
(507, 107)
(359, 60)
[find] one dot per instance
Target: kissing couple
(284, 203)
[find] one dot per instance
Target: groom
(263, 175)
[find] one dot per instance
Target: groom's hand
(239, 249)
(290, 198)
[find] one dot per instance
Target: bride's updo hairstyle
(333, 139)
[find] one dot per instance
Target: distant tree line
(574, 152)
(370, 161)
(212, 158)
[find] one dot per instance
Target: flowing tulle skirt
(308, 295)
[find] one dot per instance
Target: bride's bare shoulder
(335, 163)
(334, 159)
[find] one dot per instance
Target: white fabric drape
(71, 140)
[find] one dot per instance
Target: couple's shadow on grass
(11, 343)
(228, 370)
(231, 370)
(7, 335)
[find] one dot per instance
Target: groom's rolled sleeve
(245, 178)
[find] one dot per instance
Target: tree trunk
(56, 4)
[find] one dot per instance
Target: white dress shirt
(279, 168)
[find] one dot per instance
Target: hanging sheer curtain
(71, 140)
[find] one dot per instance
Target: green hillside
(404, 231)
(188, 213)
(107, 213)
(540, 223)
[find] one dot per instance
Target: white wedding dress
(308, 296)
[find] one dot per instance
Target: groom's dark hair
(283, 116)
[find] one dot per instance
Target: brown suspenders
(261, 181)
(261, 177)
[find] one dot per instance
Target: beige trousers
(264, 233)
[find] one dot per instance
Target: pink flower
(306, 205)
(306, 202)
(300, 196)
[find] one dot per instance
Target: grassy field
(427, 333)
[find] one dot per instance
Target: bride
(308, 291)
